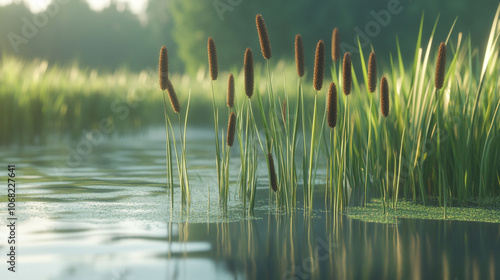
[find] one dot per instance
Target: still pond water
(101, 211)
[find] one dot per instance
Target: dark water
(101, 211)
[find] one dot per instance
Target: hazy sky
(136, 6)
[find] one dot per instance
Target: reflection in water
(325, 247)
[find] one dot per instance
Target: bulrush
(230, 91)
(212, 59)
(173, 97)
(440, 66)
(272, 173)
(319, 65)
(372, 72)
(248, 68)
(265, 44)
(335, 44)
(299, 55)
(384, 97)
(163, 67)
(231, 129)
(347, 74)
(331, 109)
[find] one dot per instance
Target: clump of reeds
(212, 59)
(248, 69)
(299, 55)
(272, 173)
(319, 65)
(335, 44)
(231, 129)
(332, 106)
(384, 97)
(440, 66)
(265, 44)
(230, 91)
(347, 74)
(372, 72)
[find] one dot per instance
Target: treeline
(69, 31)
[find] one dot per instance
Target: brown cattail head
(212, 59)
(335, 44)
(265, 45)
(231, 129)
(440, 66)
(163, 67)
(173, 97)
(299, 55)
(319, 65)
(347, 77)
(272, 173)
(372, 73)
(331, 110)
(283, 112)
(230, 91)
(384, 97)
(248, 67)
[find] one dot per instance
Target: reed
(212, 59)
(265, 44)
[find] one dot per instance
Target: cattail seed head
(265, 44)
(347, 74)
(212, 59)
(272, 173)
(372, 73)
(319, 65)
(173, 97)
(299, 55)
(331, 109)
(163, 67)
(335, 44)
(440, 66)
(384, 97)
(231, 129)
(248, 68)
(230, 91)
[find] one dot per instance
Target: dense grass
(436, 145)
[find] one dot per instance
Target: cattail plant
(212, 59)
(319, 65)
(384, 97)
(265, 44)
(272, 173)
(231, 129)
(230, 91)
(163, 67)
(299, 55)
(438, 83)
(440, 66)
(331, 116)
(347, 74)
(335, 45)
(372, 72)
(165, 84)
(332, 106)
(248, 69)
